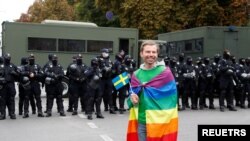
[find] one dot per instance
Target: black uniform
(243, 73)
(118, 68)
(106, 82)
(180, 64)
(70, 96)
(174, 70)
(32, 76)
(227, 82)
(10, 76)
(189, 84)
(216, 72)
(53, 80)
(77, 83)
(20, 70)
(94, 93)
(206, 84)
(2, 90)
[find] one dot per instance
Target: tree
(236, 13)
(87, 11)
(51, 9)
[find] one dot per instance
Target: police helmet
(242, 61)
(54, 57)
(226, 54)
(94, 62)
(50, 56)
(105, 50)
(32, 56)
(189, 59)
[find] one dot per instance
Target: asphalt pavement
(112, 128)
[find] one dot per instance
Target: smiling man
(153, 99)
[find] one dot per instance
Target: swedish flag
(120, 80)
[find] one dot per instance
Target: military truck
(65, 39)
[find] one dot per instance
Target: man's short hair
(149, 42)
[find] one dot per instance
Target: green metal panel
(15, 39)
(216, 39)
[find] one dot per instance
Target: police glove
(243, 75)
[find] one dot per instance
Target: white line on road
(106, 138)
(82, 116)
(66, 117)
(92, 125)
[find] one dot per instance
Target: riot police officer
(10, 76)
(2, 90)
(21, 86)
(118, 68)
(166, 60)
(216, 72)
(77, 83)
(32, 76)
(94, 93)
(70, 96)
(180, 64)
(248, 70)
(206, 84)
(53, 79)
(227, 82)
(243, 73)
(174, 70)
(189, 83)
(49, 63)
(106, 82)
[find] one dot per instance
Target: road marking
(82, 115)
(106, 138)
(92, 125)
(66, 117)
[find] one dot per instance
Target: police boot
(231, 108)
(34, 112)
(2, 117)
(25, 115)
(211, 107)
(122, 110)
(40, 114)
(242, 106)
(90, 117)
(222, 108)
(13, 116)
(70, 110)
(74, 113)
(62, 114)
(99, 115)
(48, 114)
(112, 111)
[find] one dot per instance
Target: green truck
(65, 39)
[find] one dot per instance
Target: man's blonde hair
(149, 42)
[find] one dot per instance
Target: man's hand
(134, 98)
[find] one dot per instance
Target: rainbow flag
(161, 108)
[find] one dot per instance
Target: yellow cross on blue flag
(120, 80)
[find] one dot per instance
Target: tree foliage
(50, 9)
(151, 17)
(87, 11)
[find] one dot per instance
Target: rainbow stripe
(160, 95)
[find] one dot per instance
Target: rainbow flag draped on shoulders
(160, 96)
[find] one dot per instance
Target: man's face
(149, 54)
